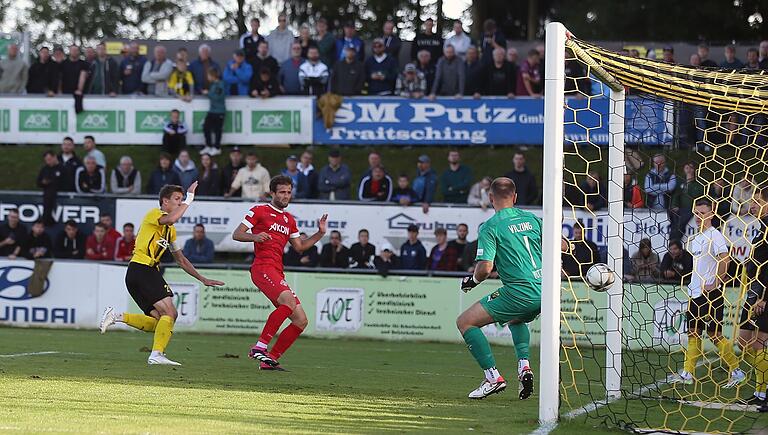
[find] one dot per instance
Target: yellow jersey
(153, 239)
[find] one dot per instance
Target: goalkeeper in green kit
(512, 240)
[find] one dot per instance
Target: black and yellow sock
(163, 333)
(140, 321)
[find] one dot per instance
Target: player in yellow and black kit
(144, 280)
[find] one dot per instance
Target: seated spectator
(70, 242)
(289, 72)
(209, 178)
(200, 66)
(125, 178)
(15, 72)
(199, 249)
(742, 195)
(350, 39)
(306, 185)
(426, 67)
(43, 75)
(131, 69)
(386, 260)
(38, 244)
(462, 230)
(291, 170)
(362, 253)
(525, 182)
(313, 74)
(334, 253)
(162, 175)
(181, 83)
(581, 256)
(375, 187)
(174, 134)
(411, 83)
(253, 179)
(99, 246)
(660, 182)
(156, 73)
(13, 235)
(595, 193)
(229, 173)
(413, 256)
(449, 75)
(264, 60)
(106, 220)
(124, 245)
(380, 70)
(237, 75)
(89, 145)
(478, 193)
(308, 258)
(456, 180)
(474, 70)
(90, 178)
(264, 84)
(403, 194)
(677, 264)
(459, 40)
(529, 80)
(633, 196)
(425, 183)
(731, 61)
(104, 74)
(69, 164)
(348, 75)
(392, 42)
(334, 179)
(305, 40)
(645, 262)
(442, 256)
(185, 167)
(500, 78)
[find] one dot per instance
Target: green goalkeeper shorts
(506, 304)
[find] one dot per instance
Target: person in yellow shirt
(181, 83)
(144, 280)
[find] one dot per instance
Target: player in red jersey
(270, 227)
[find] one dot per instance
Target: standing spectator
(90, 55)
(462, 231)
(288, 76)
(681, 206)
(209, 180)
(264, 84)
(456, 180)
(703, 52)
(213, 126)
(376, 187)
(13, 234)
(403, 194)
(237, 74)
(742, 196)
(313, 74)
(500, 77)
(106, 220)
(280, 40)
(305, 40)
(413, 256)
(334, 253)
(449, 78)
(528, 77)
(374, 160)
(89, 145)
(58, 61)
(677, 264)
(308, 258)
(249, 41)
(70, 242)
(104, 74)
(512, 56)
(326, 44)
(74, 73)
(362, 253)
(668, 54)
(125, 178)
(306, 185)
(291, 171)
(334, 179)
(124, 244)
(633, 196)
(350, 39)
(425, 183)
(380, 70)
(69, 164)
(660, 182)
(174, 134)
(442, 256)
(230, 171)
(474, 72)
(155, 73)
(253, 179)
(467, 261)
(428, 41)
(478, 193)
(13, 78)
(38, 244)
(527, 191)
(185, 167)
(595, 192)
(459, 40)
(162, 175)
(264, 60)
(200, 66)
(90, 178)
(43, 75)
(425, 66)
(348, 76)
(386, 260)
(392, 42)
(181, 83)
(731, 61)
(491, 39)
(763, 51)
(131, 69)
(582, 255)
(645, 262)
(753, 59)
(199, 249)
(411, 83)
(98, 246)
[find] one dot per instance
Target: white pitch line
(47, 352)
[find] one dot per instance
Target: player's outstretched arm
(302, 245)
(172, 217)
(184, 263)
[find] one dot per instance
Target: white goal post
(554, 137)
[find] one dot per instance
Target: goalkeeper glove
(468, 283)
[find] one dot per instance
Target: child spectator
(181, 84)
(403, 194)
(124, 245)
(174, 134)
(213, 126)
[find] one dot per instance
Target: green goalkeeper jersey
(512, 240)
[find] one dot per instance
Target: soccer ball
(600, 277)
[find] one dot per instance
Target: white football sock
(521, 364)
(261, 346)
(155, 353)
(492, 374)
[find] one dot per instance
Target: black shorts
(748, 320)
(705, 313)
(146, 286)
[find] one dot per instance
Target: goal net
(631, 144)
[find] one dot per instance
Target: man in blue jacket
(237, 74)
(200, 66)
(350, 39)
(199, 249)
(425, 183)
(334, 179)
(413, 256)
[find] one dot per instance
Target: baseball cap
(235, 149)
(334, 153)
(386, 246)
(424, 158)
(409, 67)
(413, 228)
(293, 157)
(239, 52)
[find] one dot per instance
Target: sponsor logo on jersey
(279, 228)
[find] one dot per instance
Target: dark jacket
(199, 251)
(384, 192)
(398, 193)
(209, 184)
(68, 170)
(387, 67)
(425, 186)
(429, 75)
(90, 183)
(392, 45)
(330, 258)
(51, 179)
(110, 78)
(306, 186)
(228, 175)
(348, 78)
(682, 266)
(361, 257)
(34, 243)
(383, 267)
(200, 74)
(70, 74)
(336, 181)
(474, 76)
(159, 178)
(413, 256)
(293, 258)
(43, 77)
(527, 192)
(432, 43)
(583, 255)
(455, 184)
(131, 83)
(499, 81)
(597, 195)
(69, 248)
(18, 234)
(257, 84)
(468, 256)
(756, 264)
(268, 62)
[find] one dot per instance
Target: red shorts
(271, 282)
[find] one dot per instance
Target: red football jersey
(265, 218)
